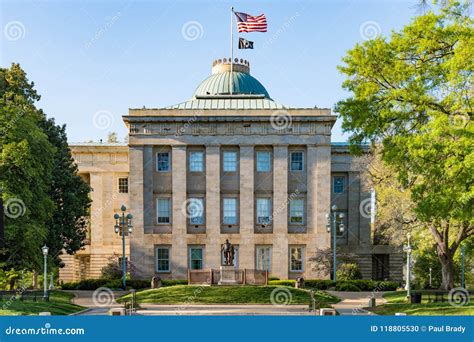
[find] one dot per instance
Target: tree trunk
(35, 279)
(447, 271)
(12, 284)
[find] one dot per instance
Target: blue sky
(89, 57)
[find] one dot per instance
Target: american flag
(248, 23)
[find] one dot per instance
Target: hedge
(363, 285)
(289, 282)
(93, 284)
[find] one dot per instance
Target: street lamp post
(407, 248)
(462, 265)
(45, 250)
(431, 276)
(123, 225)
(331, 227)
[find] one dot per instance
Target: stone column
(319, 197)
(246, 247)
(280, 212)
(148, 201)
(135, 179)
(179, 250)
(213, 219)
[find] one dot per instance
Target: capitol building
(229, 163)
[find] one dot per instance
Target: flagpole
(231, 51)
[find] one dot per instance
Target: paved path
(224, 310)
(353, 303)
(96, 302)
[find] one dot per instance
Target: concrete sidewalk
(353, 303)
(224, 310)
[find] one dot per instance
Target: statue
(228, 250)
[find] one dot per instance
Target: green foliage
(247, 294)
(273, 278)
(59, 304)
(412, 94)
(289, 282)
(319, 284)
(137, 284)
(113, 269)
(348, 271)
(347, 287)
(362, 284)
(45, 200)
(173, 282)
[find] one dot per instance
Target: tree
(395, 214)
(45, 199)
(68, 227)
(26, 164)
(412, 94)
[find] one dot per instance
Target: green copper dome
(219, 84)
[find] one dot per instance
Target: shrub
(345, 286)
(318, 284)
(273, 278)
(288, 282)
(113, 270)
(173, 282)
(87, 284)
(362, 284)
(348, 271)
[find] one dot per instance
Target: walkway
(353, 303)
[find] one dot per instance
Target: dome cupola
(219, 83)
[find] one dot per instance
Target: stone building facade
(230, 165)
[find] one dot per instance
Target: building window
(195, 210)
(123, 185)
(163, 161)
(196, 161)
(296, 161)
(263, 210)
(263, 258)
(196, 258)
(163, 210)
(163, 259)
(230, 210)
(338, 184)
(296, 211)
(230, 161)
(296, 259)
(263, 161)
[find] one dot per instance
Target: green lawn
(397, 302)
(59, 304)
(188, 294)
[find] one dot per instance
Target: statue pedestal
(228, 276)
